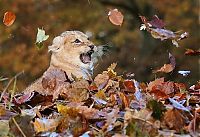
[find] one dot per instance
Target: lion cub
(73, 55)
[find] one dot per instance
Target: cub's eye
(77, 41)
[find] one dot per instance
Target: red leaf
(156, 22)
(166, 68)
(115, 17)
(9, 18)
(24, 98)
(129, 85)
(192, 52)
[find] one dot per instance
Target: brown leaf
(156, 82)
(9, 18)
(21, 126)
(24, 98)
(192, 52)
(175, 120)
(124, 99)
(101, 80)
(75, 94)
(115, 17)
(167, 67)
(129, 85)
(160, 88)
(72, 120)
(42, 125)
(155, 27)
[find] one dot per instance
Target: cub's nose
(91, 46)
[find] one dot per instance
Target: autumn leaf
(155, 28)
(115, 17)
(192, 52)
(129, 85)
(21, 126)
(166, 68)
(43, 124)
(101, 80)
(156, 22)
(124, 99)
(9, 18)
(40, 38)
(23, 98)
(175, 120)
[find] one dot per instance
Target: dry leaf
(115, 17)
(129, 85)
(9, 18)
(160, 89)
(156, 22)
(156, 28)
(101, 80)
(124, 99)
(43, 124)
(23, 98)
(175, 120)
(167, 67)
(192, 52)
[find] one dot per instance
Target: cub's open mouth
(86, 57)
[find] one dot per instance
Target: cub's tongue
(85, 58)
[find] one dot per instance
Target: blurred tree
(134, 50)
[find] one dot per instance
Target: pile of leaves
(107, 106)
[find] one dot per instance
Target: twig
(12, 93)
(94, 128)
(18, 127)
(10, 81)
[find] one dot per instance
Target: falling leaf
(156, 28)
(184, 72)
(40, 38)
(192, 52)
(115, 17)
(167, 67)
(9, 18)
(156, 22)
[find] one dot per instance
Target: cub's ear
(57, 44)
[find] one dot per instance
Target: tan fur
(66, 57)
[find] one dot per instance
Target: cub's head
(73, 48)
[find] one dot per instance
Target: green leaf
(157, 107)
(40, 38)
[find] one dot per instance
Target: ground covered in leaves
(109, 105)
